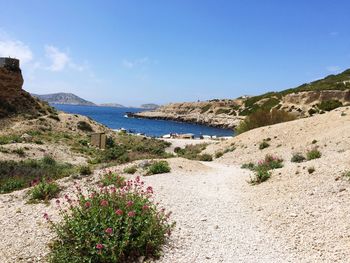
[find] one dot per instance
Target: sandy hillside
(311, 210)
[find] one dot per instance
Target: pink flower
(99, 246)
(109, 231)
(129, 203)
(58, 201)
(119, 212)
(145, 207)
(149, 190)
(46, 216)
(131, 214)
(87, 204)
(104, 202)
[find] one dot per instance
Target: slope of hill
(64, 98)
(303, 101)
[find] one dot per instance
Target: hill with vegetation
(64, 98)
(305, 100)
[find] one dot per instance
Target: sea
(115, 118)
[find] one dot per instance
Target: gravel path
(212, 224)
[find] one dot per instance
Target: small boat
(126, 116)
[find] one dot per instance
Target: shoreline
(180, 119)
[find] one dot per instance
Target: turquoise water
(114, 119)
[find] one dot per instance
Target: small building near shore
(98, 140)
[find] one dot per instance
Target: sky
(160, 51)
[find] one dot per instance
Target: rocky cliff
(13, 99)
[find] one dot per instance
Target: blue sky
(134, 52)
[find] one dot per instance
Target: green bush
(270, 162)
(44, 191)
(85, 170)
(261, 175)
(130, 169)
(329, 105)
(112, 179)
(249, 166)
(205, 157)
(264, 145)
(112, 225)
(263, 117)
(297, 158)
(313, 154)
(84, 126)
(159, 168)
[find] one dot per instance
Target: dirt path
(212, 223)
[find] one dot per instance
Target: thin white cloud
(135, 63)
(333, 68)
(59, 60)
(15, 49)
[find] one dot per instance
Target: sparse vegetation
(44, 190)
(329, 105)
(263, 145)
(249, 166)
(158, 167)
(313, 154)
(130, 169)
(85, 170)
(297, 158)
(219, 154)
(191, 152)
(18, 175)
(205, 157)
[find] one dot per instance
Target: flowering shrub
(270, 162)
(113, 179)
(110, 225)
(262, 168)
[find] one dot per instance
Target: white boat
(126, 116)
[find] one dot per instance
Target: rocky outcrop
(215, 113)
(13, 99)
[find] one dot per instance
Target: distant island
(64, 98)
(149, 106)
(114, 105)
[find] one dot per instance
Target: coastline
(209, 121)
